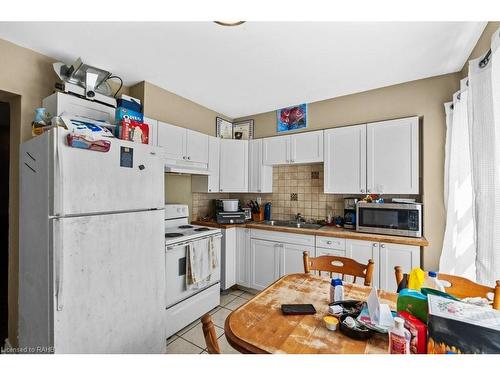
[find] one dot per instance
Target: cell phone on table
(298, 309)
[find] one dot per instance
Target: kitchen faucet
(298, 218)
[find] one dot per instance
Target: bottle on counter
(399, 338)
(432, 282)
(336, 291)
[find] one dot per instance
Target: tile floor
(190, 340)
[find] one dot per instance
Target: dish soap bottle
(399, 338)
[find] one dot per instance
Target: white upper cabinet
(275, 150)
(210, 183)
(306, 147)
(380, 157)
(196, 146)
(233, 174)
(173, 140)
(181, 144)
(345, 160)
(298, 148)
(260, 176)
(392, 157)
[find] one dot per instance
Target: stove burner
(202, 229)
(171, 235)
(185, 227)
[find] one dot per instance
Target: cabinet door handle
(362, 190)
(382, 246)
(329, 242)
(368, 191)
(375, 244)
(189, 157)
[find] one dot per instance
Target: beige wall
(26, 77)
(165, 106)
(482, 45)
(423, 98)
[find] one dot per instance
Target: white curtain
(471, 246)
(458, 256)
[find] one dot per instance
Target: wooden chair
(461, 287)
(210, 335)
(339, 265)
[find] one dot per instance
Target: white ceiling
(258, 66)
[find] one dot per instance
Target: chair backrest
(461, 287)
(210, 335)
(340, 265)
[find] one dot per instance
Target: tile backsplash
(296, 189)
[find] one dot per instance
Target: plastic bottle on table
(399, 338)
(432, 282)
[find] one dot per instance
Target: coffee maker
(350, 212)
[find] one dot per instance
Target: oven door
(390, 218)
(175, 265)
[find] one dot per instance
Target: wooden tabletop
(258, 326)
(325, 231)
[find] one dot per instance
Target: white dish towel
(201, 261)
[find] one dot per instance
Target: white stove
(178, 229)
(185, 305)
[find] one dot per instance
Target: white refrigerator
(92, 248)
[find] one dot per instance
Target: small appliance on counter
(398, 219)
(229, 211)
(248, 213)
(350, 212)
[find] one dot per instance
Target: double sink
(291, 224)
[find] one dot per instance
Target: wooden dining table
(260, 327)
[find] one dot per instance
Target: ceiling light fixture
(229, 23)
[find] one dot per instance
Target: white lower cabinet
(292, 258)
(243, 257)
(361, 252)
(386, 256)
(275, 254)
(228, 258)
(264, 263)
(392, 255)
(262, 257)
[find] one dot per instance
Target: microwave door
(394, 221)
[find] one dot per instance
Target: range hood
(185, 170)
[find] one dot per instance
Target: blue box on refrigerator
(130, 104)
(122, 113)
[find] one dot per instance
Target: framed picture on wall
(224, 128)
(243, 129)
(292, 118)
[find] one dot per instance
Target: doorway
(4, 217)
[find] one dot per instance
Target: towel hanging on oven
(201, 261)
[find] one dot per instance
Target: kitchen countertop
(327, 231)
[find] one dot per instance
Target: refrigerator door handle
(59, 260)
(60, 180)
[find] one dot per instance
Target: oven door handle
(173, 246)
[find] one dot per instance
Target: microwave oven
(399, 219)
